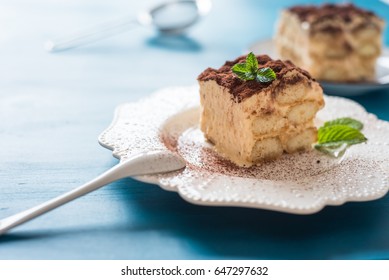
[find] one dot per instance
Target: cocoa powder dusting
(243, 89)
(200, 157)
(345, 12)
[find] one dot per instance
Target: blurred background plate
(340, 89)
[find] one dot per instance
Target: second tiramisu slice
(334, 42)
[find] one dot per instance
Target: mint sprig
(249, 71)
(345, 121)
(334, 137)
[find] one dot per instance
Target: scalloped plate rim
(269, 207)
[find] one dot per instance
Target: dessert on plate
(259, 118)
(333, 42)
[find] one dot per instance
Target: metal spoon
(146, 163)
(173, 17)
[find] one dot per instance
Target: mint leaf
(346, 121)
(265, 75)
(251, 63)
(239, 68)
(249, 70)
(340, 133)
(241, 71)
(334, 138)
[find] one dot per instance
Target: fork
(141, 164)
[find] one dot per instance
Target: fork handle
(107, 177)
(137, 165)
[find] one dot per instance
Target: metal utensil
(173, 17)
(146, 163)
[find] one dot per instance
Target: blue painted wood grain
(53, 107)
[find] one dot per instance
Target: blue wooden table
(53, 107)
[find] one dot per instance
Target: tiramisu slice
(334, 42)
(252, 120)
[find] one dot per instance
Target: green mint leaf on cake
(334, 137)
(249, 71)
(251, 63)
(241, 71)
(265, 75)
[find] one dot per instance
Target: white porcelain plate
(340, 89)
(298, 183)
